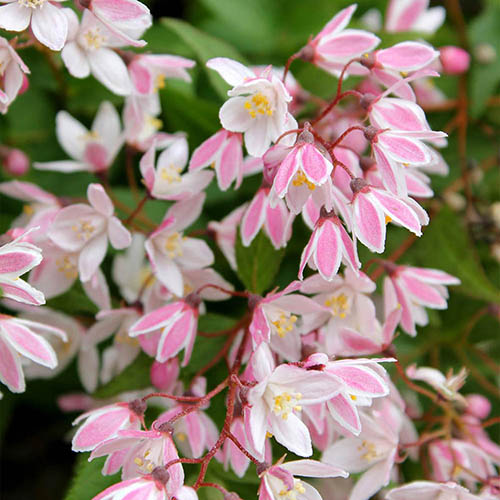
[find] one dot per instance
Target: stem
(217, 287)
(345, 134)
(129, 168)
(234, 439)
(137, 210)
(190, 399)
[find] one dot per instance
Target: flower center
(94, 39)
(84, 230)
(285, 403)
(370, 451)
(258, 104)
(298, 489)
(284, 323)
(144, 464)
(173, 245)
(159, 82)
(66, 266)
(171, 174)
(33, 4)
(300, 178)
(339, 305)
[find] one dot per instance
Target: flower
(85, 229)
(280, 393)
(278, 481)
(428, 490)
(16, 259)
(257, 106)
(48, 22)
(93, 150)
(12, 71)
(165, 181)
(413, 15)
(413, 289)
(18, 339)
(89, 49)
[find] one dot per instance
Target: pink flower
(278, 395)
(334, 46)
(454, 60)
(414, 289)
(90, 50)
(223, 152)
(104, 423)
(85, 229)
(275, 320)
(93, 150)
(413, 15)
(169, 251)
(328, 246)
(278, 481)
(274, 217)
(48, 22)
(373, 208)
(12, 71)
(127, 19)
(140, 452)
(165, 181)
(178, 323)
(428, 490)
(148, 71)
(257, 106)
(18, 340)
(17, 258)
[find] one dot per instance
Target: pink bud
(164, 375)
(478, 405)
(455, 60)
(16, 162)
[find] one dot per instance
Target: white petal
(75, 60)
(71, 135)
(108, 67)
(14, 17)
(50, 26)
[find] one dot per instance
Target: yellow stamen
(284, 324)
(339, 305)
(258, 104)
(300, 178)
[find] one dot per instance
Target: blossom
(148, 71)
(278, 395)
(373, 208)
(169, 251)
(428, 490)
(19, 339)
(257, 106)
(413, 15)
(17, 258)
(414, 289)
(93, 150)
(48, 22)
(448, 386)
(278, 481)
(334, 46)
(223, 152)
(104, 423)
(90, 50)
(127, 19)
(12, 71)
(85, 229)
(165, 181)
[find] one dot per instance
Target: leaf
(204, 47)
(485, 77)
(74, 302)
(258, 264)
(445, 245)
(87, 479)
(133, 378)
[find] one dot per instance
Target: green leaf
(485, 77)
(74, 302)
(133, 378)
(205, 47)
(445, 245)
(258, 264)
(87, 479)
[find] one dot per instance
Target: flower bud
(15, 162)
(164, 375)
(478, 406)
(24, 85)
(455, 60)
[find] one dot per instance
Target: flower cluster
(307, 366)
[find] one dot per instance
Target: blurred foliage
(261, 32)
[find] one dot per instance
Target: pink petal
(231, 162)
(316, 167)
(339, 22)
(276, 223)
(328, 253)
(369, 223)
(350, 251)
(345, 413)
(155, 319)
(286, 171)
(423, 293)
(254, 217)
(360, 380)
(205, 153)
(11, 373)
(404, 149)
(347, 45)
(397, 210)
(18, 261)
(174, 337)
(100, 200)
(407, 56)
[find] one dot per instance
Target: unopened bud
(16, 162)
(478, 405)
(24, 86)
(455, 60)
(163, 375)
(161, 475)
